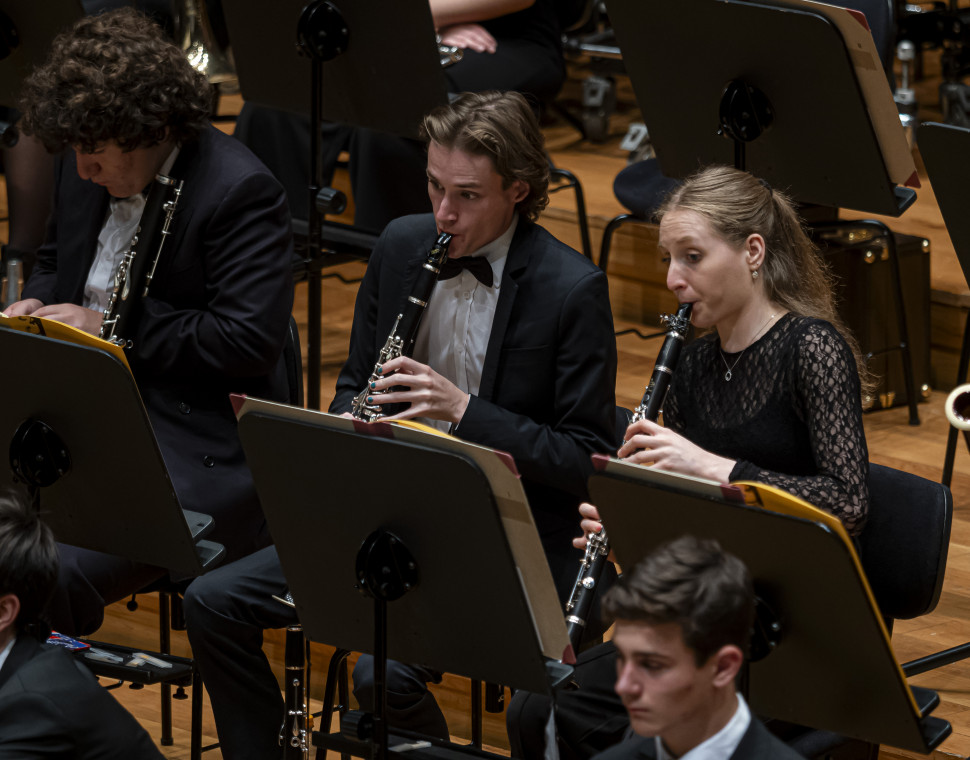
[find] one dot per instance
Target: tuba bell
(193, 33)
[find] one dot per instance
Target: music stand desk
(483, 604)
(113, 493)
(833, 667)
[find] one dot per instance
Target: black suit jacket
(52, 707)
(756, 744)
(214, 321)
(547, 389)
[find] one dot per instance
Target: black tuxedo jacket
(756, 744)
(52, 707)
(547, 389)
(214, 321)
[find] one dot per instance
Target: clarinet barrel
(591, 566)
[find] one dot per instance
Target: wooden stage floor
(891, 441)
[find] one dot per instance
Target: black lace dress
(790, 415)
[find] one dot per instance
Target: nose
(446, 211)
(675, 277)
(625, 683)
(87, 166)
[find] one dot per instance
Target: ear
(754, 251)
(519, 190)
(727, 662)
(9, 609)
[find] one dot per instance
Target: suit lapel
(520, 251)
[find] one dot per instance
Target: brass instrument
(195, 36)
(136, 270)
(405, 330)
(597, 544)
(957, 407)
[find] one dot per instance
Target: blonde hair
(502, 126)
(736, 205)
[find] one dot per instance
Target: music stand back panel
(325, 491)
(946, 152)
(834, 667)
(117, 496)
(388, 78)
(821, 147)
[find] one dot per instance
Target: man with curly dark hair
(120, 104)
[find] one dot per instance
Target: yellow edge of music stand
(777, 500)
(51, 328)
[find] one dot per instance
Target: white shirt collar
(720, 746)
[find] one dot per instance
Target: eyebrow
(468, 184)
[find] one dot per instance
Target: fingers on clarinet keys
(958, 407)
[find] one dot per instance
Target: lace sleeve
(826, 395)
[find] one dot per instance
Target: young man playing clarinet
(515, 351)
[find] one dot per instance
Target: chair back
(904, 545)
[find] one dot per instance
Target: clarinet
(137, 267)
(597, 544)
(405, 330)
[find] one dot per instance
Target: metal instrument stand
(784, 63)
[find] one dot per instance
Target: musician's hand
(590, 523)
(651, 444)
(429, 394)
(23, 308)
(71, 314)
(472, 36)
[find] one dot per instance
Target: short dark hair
(692, 582)
(502, 126)
(28, 558)
(114, 77)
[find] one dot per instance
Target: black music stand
(26, 30)
(944, 149)
(99, 486)
(763, 73)
(372, 65)
(829, 663)
(459, 604)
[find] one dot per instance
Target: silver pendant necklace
(730, 367)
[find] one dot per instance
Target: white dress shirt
(453, 335)
(720, 746)
(119, 227)
(6, 651)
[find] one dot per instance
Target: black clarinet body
(298, 723)
(597, 544)
(405, 330)
(137, 266)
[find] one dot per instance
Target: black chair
(903, 551)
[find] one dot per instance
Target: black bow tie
(477, 265)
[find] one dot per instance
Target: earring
(754, 274)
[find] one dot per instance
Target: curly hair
(114, 78)
(694, 583)
(736, 205)
(502, 126)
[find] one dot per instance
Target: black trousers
(589, 718)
